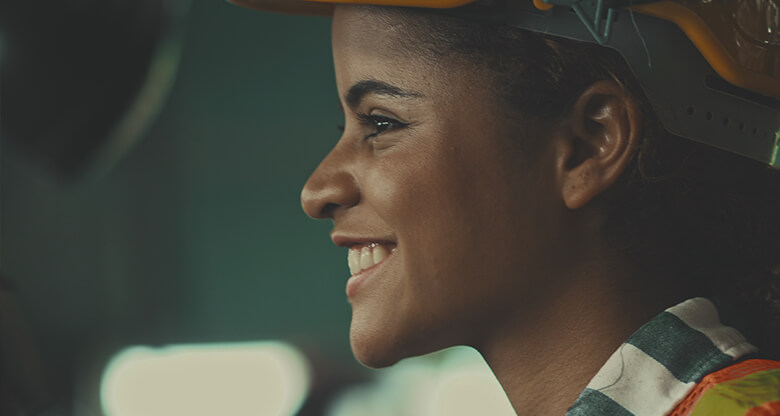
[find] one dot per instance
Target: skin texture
(494, 248)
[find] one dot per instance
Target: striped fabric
(662, 362)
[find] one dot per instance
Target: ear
(597, 143)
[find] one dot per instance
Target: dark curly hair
(703, 216)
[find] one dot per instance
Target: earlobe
(601, 137)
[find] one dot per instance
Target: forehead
(369, 30)
(388, 45)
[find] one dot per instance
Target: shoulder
(748, 388)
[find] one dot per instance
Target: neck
(572, 337)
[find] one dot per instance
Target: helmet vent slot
(742, 128)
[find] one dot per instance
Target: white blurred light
(455, 382)
(258, 379)
(468, 387)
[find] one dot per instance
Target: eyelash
(380, 123)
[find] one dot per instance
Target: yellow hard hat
(710, 68)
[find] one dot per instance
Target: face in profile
(449, 226)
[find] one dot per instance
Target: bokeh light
(262, 378)
(454, 382)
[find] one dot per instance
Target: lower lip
(356, 281)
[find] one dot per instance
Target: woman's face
(428, 173)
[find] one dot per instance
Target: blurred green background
(196, 234)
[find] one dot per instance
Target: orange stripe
(742, 369)
(767, 409)
(729, 373)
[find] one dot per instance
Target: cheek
(450, 203)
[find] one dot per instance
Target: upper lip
(348, 240)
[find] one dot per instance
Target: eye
(379, 123)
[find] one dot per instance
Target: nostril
(322, 200)
(328, 210)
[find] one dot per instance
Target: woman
(516, 192)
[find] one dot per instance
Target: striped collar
(659, 365)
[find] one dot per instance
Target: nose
(332, 187)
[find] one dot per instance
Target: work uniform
(685, 361)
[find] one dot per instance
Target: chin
(377, 347)
(373, 352)
(374, 362)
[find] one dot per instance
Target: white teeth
(353, 258)
(365, 257)
(379, 253)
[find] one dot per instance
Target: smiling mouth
(365, 256)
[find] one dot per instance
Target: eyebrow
(358, 91)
